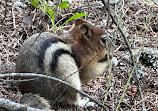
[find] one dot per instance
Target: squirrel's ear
(79, 22)
(86, 30)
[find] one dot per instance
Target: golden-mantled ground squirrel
(60, 56)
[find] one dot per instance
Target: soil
(137, 18)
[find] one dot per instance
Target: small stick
(5, 11)
(21, 75)
(132, 57)
(12, 106)
(13, 16)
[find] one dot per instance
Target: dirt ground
(18, 21)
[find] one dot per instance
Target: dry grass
(138, 18)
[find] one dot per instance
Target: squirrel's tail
(34, 100)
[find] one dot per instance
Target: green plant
(130, 76)
(47, 7)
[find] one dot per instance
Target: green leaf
(51, 14)
(65, 2)
(45, 7)
(78, 15)
(36, 1)
(33, 3)
(63, 5)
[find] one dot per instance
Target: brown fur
(83, 40)
(85, 49)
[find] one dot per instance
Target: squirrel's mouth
(105, 58)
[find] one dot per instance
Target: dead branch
(108, 7)
(132, 57)
(124, 36)
(5, 11)
(12, 106)
(21, 75)
(13, 15)
(154, 2)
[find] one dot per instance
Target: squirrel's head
(89, 44)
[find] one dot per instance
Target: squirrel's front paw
(115, 61)
(85, 103)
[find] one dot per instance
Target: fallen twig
(154, 2)
(21, 75)
(132, 57)
(13, 16)
(108, 7)
(12, 106)
(5, 11)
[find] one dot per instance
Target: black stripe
(56, 56)
(45, 45)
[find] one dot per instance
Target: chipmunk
(61, 57)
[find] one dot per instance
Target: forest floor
(139, 20)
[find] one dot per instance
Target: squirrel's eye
(103, 40)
